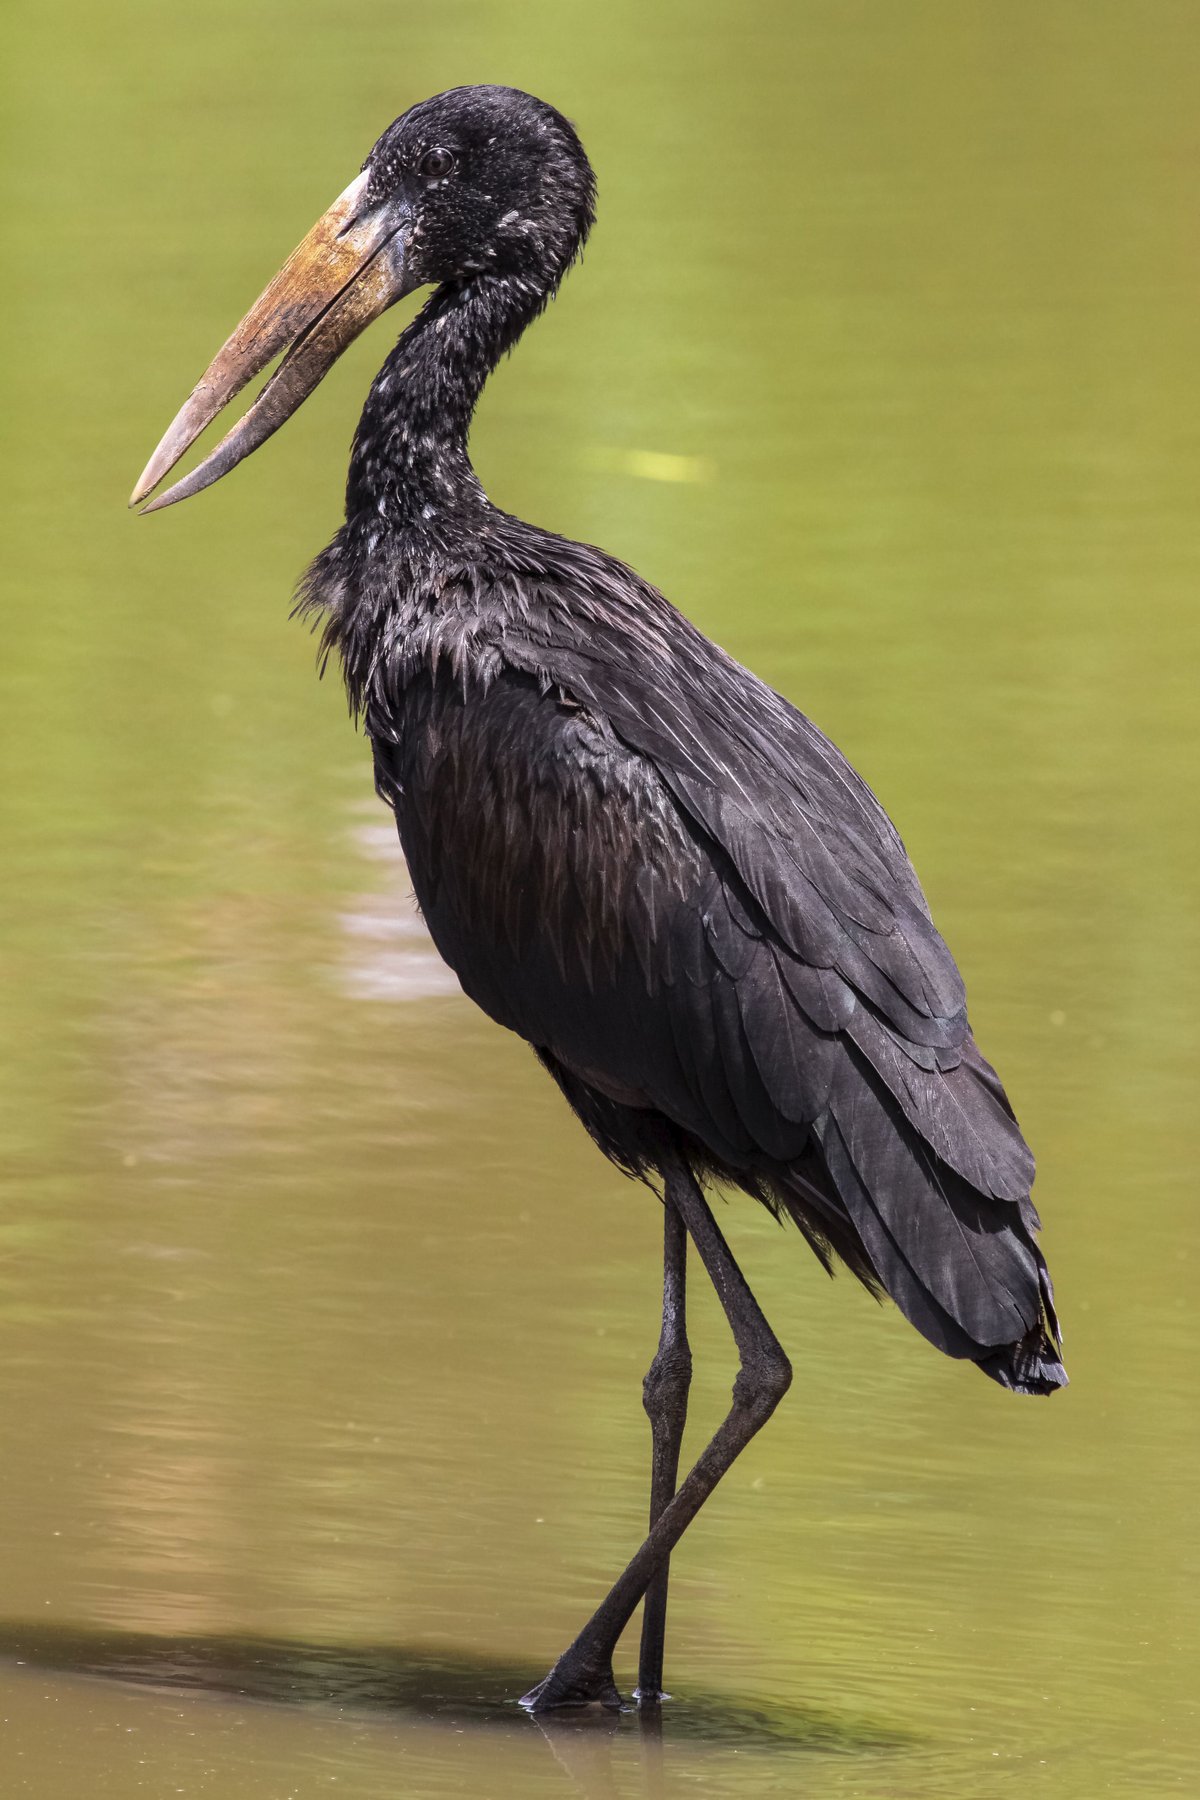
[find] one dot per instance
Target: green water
(321, 1323)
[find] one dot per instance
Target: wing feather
(667, 880)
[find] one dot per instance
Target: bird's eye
(436, 163)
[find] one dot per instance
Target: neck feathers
(409, 461)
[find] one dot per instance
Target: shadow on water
(419, 1683)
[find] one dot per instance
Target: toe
(568, 1686)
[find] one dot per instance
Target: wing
(807, 854)
(666, 879)
(587, 906)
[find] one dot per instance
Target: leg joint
(762, 1381)
(667, 1380)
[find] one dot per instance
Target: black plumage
(635, 854)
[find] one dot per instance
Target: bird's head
(488, 180)
(476, 182)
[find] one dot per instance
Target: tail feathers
(1031, 1367)
(1034, 1365)
(961, 1265)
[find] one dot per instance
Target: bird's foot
(649, 1698)
(574, 1681)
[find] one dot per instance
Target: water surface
(322, 1324)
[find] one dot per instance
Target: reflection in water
(388, 955)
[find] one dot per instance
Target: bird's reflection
(584, 1747)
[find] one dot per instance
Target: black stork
(630, 850)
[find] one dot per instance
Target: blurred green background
(321, 1322)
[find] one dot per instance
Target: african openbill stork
(630, 851)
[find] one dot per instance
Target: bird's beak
(348, 270)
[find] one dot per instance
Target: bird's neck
(409, 462)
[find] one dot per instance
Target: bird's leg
(665, 1397)
(584, 1671)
